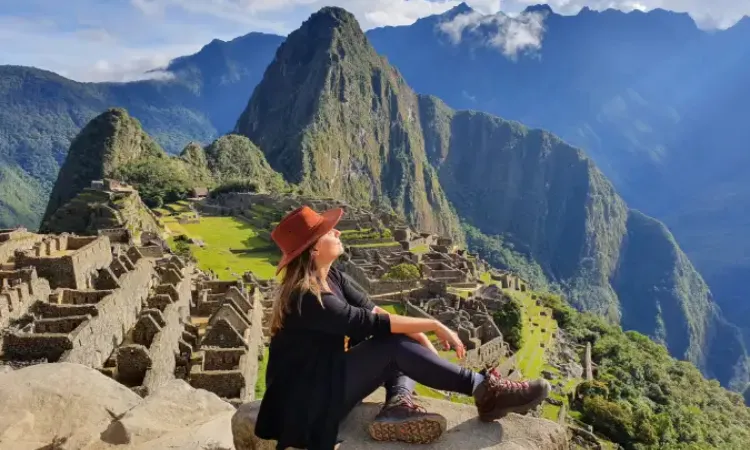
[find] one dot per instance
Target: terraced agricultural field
(230, 246)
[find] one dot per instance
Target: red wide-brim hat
(299, 229)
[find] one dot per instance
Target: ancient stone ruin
(137, 313)
(223, 357)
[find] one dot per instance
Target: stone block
(464, 431)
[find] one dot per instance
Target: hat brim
(331, 218)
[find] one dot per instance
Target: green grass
(486, 277)
(220, 234)
(260, 384)
(531, 357)
(420, 249)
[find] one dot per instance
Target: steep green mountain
(109, 141)
(114, 145)
(234, 157)
(20, 202)
(552, 202)
(334, 117)
(41, 113)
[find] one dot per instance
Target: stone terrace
(225, 354)
(147, 356)
(138, 314)
(97, 297)
(367, 265)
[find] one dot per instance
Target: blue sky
(118, 40)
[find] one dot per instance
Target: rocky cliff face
(551, 200)
(110, 140)
(333, 116)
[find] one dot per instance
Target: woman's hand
(425, 342)
(450, 339)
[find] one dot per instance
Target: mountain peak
(328, 19)
(334, 117)
(462, 8)
(539, 8)
(110, 139)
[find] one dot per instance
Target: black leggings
(394, 361)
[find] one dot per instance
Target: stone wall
(20, 290)
(76, 297)
(117, 313)
(374, 286)
(510, 281)
(14, 241)
(152, 251)
(488, 353)
(415, 311)
(117, 235)
(94, 336)
(232, 343)
(80, 258)
(166, 343)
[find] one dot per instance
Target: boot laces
(405, 401)
(495, 380)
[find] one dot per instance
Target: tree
(403, 272)
(509, 319)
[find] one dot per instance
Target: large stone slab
(47, 401)
(80, 409)
(514, 432)
(174, 414)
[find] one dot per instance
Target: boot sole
(520, 409)
(424, 430)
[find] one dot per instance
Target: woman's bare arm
(419, 337)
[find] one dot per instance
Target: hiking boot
(496, 397)
(402, 420)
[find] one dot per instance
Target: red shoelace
(406, 402)
(513, 386)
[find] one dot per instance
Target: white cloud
(511, 35)
(370, 13)
(88, 54)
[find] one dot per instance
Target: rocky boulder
(515, 432)
(71, 407)
(47, 402)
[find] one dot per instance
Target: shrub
(235, 186)
(509, 319)
(403, 272)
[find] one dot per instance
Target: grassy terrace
(222, 235)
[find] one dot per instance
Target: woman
(313, 383)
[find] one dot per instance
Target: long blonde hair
(300, 276)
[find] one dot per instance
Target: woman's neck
(323, 272)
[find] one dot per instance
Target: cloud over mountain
(510, 35)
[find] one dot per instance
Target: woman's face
(328, 248)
